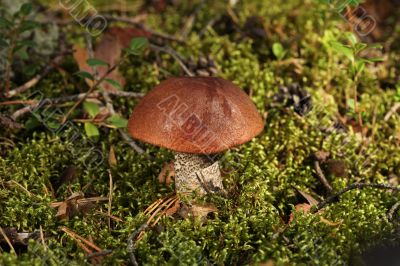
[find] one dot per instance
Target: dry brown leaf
(201, 211)
(309, 198)
(304, 207)
(109, 50)
(173, 209)
(167, 173)
(80, 56)
(267, 263)
(62, 211)
(74, 205)
(76, 196)
(112, 159)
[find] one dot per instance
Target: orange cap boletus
(199, 115)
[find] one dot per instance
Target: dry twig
(392, 111)
(322, 177)
(7, 240)
(336, 196)
(132, 240)
(175, 55)
(110, 199)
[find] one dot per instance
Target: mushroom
(197, 118)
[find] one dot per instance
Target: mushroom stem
(197, 173)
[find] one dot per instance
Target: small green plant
(353, 50)
(136, 47)
(397, 96)
(278, 50)
(14, 41)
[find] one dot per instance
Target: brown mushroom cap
(202, 115)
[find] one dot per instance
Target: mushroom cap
(201, 115)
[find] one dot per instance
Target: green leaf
(360, 47)
(373, 59)
(114, 83)
(343, 49)
(138, 45)
(4, 23)
(118, 121)
(28, 43)
(359, 66)
(93, 62)
(352, 38)
(91, 108)
(91, 130)
(28, 25)
(84, 74)
(278, 50)
(22, 53)
(26, 9)
(397, 96)
(350, 104)
(24, 44)
(376, 46)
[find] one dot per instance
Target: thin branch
(92, 88)
(7, 240)
(175, 55)
(54, 101)
(322, 177)
(132, 241)
(110, 199)
(393, 210)
(80, 238)
(99, 254)
(42, 238)
(31, 83)
(392, 111)
(336, 196)
(132, 143)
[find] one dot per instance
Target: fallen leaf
(267, 263)
(309, 198)
(75, 204)
(109, 50)
(201, 211)
(166, 174)
(62, 211)
(305, 208)
(173, 209)
(112, 159)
